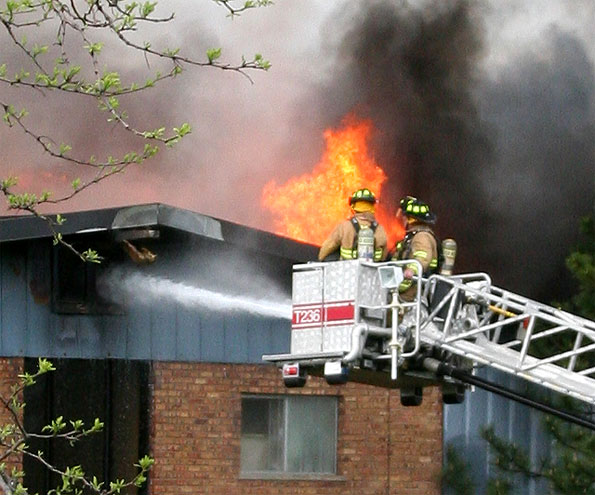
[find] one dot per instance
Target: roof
(19, 228)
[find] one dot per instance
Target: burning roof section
(120, 220)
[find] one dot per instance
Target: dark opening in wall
(74, 281)
(116, 392)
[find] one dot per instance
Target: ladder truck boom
(349, 323)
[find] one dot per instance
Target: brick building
(168, 354)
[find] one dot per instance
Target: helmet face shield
(361, 206)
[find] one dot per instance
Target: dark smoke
(543, 179)
(508, 164)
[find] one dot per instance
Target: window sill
(269, 475)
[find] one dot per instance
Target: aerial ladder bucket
(349, 323)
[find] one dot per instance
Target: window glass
(289, 434)
(311, 434)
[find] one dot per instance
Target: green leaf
(21, 75)
(96, 484)
(145, 462)
(64, 148)
(140, 479)
(8, 183)
(43, 365)
(183, 129)
(39, 50)
(97, 425)
(94, 48)
(73, 71)
(150, 150)
(77, 425)
(117, 485)
(261, 62)
(213, 54)
(56, 426)
(147, 8)
(169, 52)
(114, 102)
(27, 379)
(92, 256)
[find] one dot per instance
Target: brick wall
(10, 368)
(383, 447)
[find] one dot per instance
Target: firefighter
(360, 236)
(420, 243)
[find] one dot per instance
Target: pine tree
(570, 467)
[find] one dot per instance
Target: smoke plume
(506, 159)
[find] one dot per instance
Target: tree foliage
(456, 475)
(73, 48)
(14, 441)
(569, 468)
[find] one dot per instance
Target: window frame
(285, 474)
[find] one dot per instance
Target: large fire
(307, 208)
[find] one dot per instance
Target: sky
(484, 109)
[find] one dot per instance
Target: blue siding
(115, 338)
(259, 337)
(279, 337)
(236, 337)
(187, 336)
(511, 421)
(212, 338)
(164, 325)
(38, 333)
(14, 301)
(164, 331)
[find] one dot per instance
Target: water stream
(149, 289)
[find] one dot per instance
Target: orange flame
(308, 207)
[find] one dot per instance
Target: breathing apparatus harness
(403, 250)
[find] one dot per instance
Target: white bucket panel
(307, 286)
(337, 338)
(305, 341)
(340, 282)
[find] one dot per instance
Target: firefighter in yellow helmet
(420, 243)
(359, 236)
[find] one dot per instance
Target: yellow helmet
(362, 195)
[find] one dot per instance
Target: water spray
(147, 289)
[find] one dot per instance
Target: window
(288, 435)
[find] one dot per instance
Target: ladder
(497, 328)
